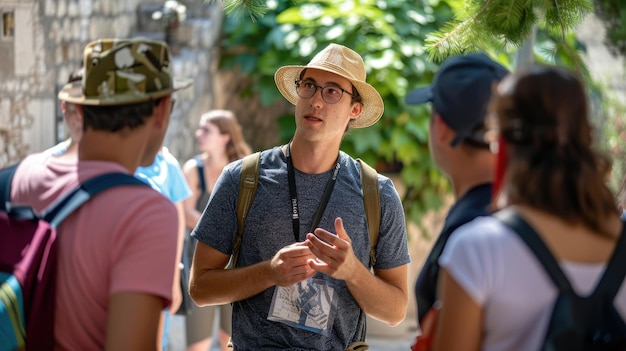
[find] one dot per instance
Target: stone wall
(46, 45)
(25, 80)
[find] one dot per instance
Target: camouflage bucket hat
(123, 71)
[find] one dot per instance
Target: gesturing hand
(289, 264)
(334, 255)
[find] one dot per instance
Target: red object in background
(428, 326)
(499, 170)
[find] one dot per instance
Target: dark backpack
(578, 323)
(28, 256)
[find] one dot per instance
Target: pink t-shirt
(123, 240)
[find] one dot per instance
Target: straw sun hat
(345, 62)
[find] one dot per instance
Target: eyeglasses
(330, 94)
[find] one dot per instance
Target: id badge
(308, 305)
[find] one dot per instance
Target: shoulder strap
(6, 177)
(615, 272)
(65, 205)
(537, 246)
(612, 277)
(371, 201)
(200, 168)
(247, 188)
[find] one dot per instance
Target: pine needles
(254, 8)
(500, 23)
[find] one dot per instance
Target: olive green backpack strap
(371, 201)
(247, 188)
(358, 346)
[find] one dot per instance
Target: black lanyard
(295, 217)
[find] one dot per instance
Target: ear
(63, 106)
(79, 115)
(356, 110)
(161, 113)
(226, 137)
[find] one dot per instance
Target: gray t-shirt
(268, 228)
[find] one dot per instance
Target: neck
(125, 148)
(471, 173)
(215, 160)
(313, 158)
(72, 148)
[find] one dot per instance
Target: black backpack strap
(523, 229)
(615, 272)
(66, 204)
(6, 177)
(200, 168)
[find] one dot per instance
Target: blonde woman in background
(220, 142)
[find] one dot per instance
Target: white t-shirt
(496, 269)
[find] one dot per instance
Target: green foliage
(389, 35)
(562, 50)
(612, 130)
(402, 43)
(254, 8)
(613, 14)
(504, 25)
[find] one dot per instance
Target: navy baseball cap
(461, 91)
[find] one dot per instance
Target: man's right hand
(289, 265)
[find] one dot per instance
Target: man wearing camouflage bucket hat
(117, 252)
(303, 278)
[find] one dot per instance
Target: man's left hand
(334, 252)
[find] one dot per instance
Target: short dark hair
(475, 139)
(117, 117)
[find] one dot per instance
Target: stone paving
(377, 343)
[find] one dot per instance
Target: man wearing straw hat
(303, 280)
(117, 252)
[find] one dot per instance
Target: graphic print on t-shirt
(308, 305)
